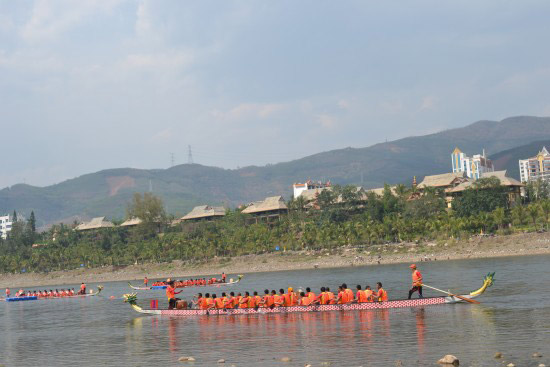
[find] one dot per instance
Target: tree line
(342, 216)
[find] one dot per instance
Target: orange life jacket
(369, 295)
(348, 295)
(382, 295)
(170, 292)
(361, 296)
(276, 300)
(243, 303)
(268, 300)
(331, 299)
(416, 278)
(219, 302)
(305, 301)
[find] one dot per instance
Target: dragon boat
(131, 299)
(157, 287)
(35, 298)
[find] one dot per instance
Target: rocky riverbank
(475, 247)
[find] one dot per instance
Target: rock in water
(286, 359)
(186, 359)
(449, 359)
(510, 365)
(498, 355)
(537, 355)
(221, 360)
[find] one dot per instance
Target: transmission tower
(190, 156)
(171, 159)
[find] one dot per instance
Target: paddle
(452, 295)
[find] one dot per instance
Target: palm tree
(519, 214)
(534, 211)
(499, 216)
(545, 207)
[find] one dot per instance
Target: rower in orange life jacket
(243, 303)
(416, 282)
(310, 294)
(348, 292)
(83, 288)
(304, 300)
(8, 292)
(360, 295)
(322, 298)
(145, 281)
(289, 297)
(331, 299)
(257, 300)
(369, 294)
(267, 300)
(277, 299)
(382, 295)
(218, 301)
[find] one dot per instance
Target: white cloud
(167, 60)
(245, 111)
(164, 135)
(143, 20)
(49, 19)
(327, 121)
(344, 104)
(428, 103)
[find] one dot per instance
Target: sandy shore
(476, 247)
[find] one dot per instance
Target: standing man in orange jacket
(416, 282)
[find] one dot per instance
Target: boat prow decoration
(487, 282)
(403, 303)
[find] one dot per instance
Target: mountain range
(107, 192)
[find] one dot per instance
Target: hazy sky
(88, 85)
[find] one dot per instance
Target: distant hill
(509, 159)
(182, 187)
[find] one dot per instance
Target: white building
(537, 167)
(474, 166)
(5, 226)
(308, 185)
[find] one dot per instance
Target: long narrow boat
(157, 287)
(428, 301)
(34, 298)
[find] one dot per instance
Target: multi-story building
(536, 167)
(474, 166)
(5, 226)
(308, 185)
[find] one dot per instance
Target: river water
(514, 318)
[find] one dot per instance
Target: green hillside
(184, 186)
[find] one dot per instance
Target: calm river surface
(514, 318)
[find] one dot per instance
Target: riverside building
(534, 168)
(308, 185)
(474, 166)
(5, 226)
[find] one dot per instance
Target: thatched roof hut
(273, 203)
(204, 212)
(95, 223)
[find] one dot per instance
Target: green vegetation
(346, 218)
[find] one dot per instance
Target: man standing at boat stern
(416, 282)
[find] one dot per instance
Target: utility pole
(190, 156)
